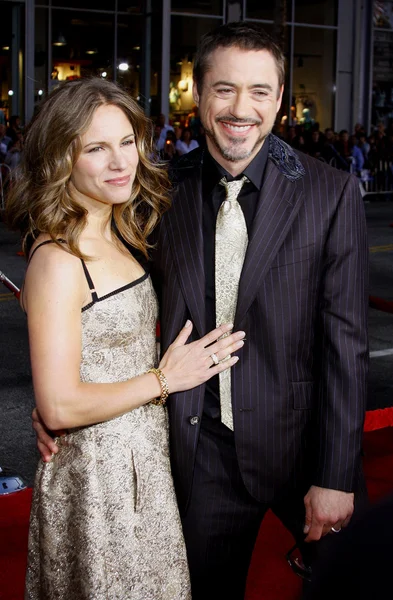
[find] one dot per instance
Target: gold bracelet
(164, 387)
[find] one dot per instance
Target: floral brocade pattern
(231, 248)
(104, 521)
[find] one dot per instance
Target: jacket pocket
(302, 392)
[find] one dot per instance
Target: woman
(186, 143)
(104, 520)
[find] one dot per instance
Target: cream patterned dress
(104, 520)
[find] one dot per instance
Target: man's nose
(241, 106)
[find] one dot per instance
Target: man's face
(238, 105)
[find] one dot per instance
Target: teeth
(237, 127)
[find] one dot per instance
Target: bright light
(40, 92)
(104, 74)
(10, 92)
(93, 51)
(5, 48)
(123, 67)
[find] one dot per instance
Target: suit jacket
(299, 388)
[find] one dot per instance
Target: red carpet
(268, 572)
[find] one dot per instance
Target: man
(164, 127)
(4, 142)
(291, 440)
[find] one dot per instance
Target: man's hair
(245, 36)
(39, 200)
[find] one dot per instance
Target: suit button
(194, 420)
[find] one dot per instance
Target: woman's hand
(186, 366)
(45, 443)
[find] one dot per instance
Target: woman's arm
(54, 293)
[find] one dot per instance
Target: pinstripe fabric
(299, 389)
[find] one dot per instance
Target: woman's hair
(39, 200)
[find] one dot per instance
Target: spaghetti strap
(28, 262)
(43, 244)
(90, 282)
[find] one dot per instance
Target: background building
(339, 52)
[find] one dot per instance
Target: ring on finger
(334, 530)
(214, 358)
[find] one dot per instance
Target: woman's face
(105, 170)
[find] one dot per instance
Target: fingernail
(229, 325)
(235, 359)
(306, 529)
(188, 323)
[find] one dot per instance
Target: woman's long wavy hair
(39, 200)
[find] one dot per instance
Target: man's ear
(195, 94)
(279, 99)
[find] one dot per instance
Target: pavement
(17, 441)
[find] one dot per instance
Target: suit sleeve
(343, 344)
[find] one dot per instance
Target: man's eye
(224, 90)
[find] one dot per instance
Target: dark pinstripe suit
(299, 389)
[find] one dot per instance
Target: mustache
(236, 121)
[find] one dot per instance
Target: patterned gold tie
(231, 247)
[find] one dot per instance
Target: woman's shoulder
(50, 257)
(44, 240)
(52, 273)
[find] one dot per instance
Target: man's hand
(325, 509)
(45, 442)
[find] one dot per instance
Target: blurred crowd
(11, 142)
(354, 151)
(172, 141)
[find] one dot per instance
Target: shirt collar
(214, 172)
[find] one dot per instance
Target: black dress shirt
(213, 195)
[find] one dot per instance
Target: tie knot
(233, 188)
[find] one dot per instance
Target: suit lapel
(186, 239)
(278, 205)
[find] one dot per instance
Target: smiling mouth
(119, 181)
(237, 129)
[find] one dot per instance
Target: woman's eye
(128, 143)
(95, 149)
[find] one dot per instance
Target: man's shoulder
(315, 167)
(185, 166)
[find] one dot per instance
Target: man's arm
(343, 367)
